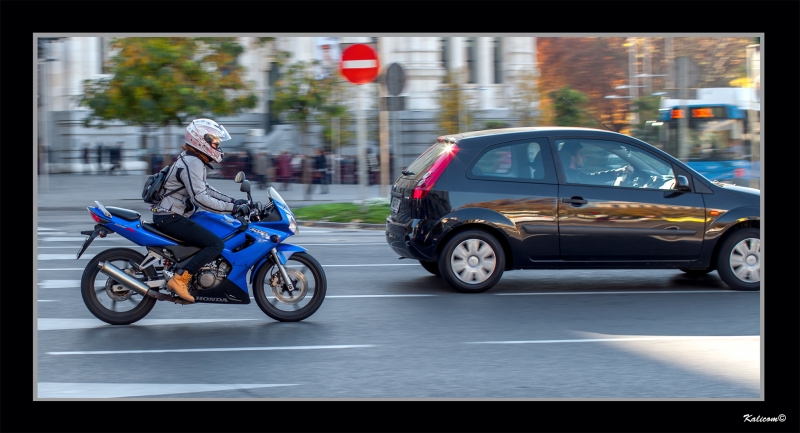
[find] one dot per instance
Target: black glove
(242, 209)
(238, 202)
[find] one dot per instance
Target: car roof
(557, 129)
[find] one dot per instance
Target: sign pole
(362, 149)
(383, 118)
(360, 65)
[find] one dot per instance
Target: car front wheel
(739, 260)
(472, 261)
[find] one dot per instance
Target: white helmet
(204, 134)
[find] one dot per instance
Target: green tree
(524, 103)
(646, 109)
(334, 116)
(566, 113)
(454, 105)
(301, 97)
(157, 82)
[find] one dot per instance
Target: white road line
(119, 390)
(622, 293)
(600, 340)
(62, 324)
(85, 256)
(211, 349)
(59, 284)
(62, 269)
(132, 245)
(324, 266)
(375, 296)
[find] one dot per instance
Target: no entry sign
(359, 64)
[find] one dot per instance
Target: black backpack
(153, 191)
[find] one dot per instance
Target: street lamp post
(46, 142)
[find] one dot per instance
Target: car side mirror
(682, 183)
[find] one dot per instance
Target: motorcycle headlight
(292, 224)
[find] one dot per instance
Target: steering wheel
(626, 179)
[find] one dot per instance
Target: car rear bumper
(402, 239)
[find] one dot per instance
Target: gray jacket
(186, 171)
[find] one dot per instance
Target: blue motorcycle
(121, 285)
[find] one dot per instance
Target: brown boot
(180, 285)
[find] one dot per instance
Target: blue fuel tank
(221, 225)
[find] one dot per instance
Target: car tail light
(429, 179)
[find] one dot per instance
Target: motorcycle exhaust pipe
(124, 279)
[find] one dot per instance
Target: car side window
(513, 161)
(616, 164)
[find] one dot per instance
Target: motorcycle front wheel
(273, 296)
(106, 298)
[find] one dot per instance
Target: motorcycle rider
(171, 214)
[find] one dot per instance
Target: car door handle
(574, 200)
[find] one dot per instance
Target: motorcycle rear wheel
(309, 283)
(105, 297)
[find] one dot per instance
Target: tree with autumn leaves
(595, 66)
(162, 81)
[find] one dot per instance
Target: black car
(480, 203)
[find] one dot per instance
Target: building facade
(491, 68)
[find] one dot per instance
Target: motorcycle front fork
(284, 275)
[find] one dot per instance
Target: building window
(472, 71)
(498, 60)
(446, 54)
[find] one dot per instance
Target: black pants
(192, 233)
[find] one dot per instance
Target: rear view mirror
(239, 177)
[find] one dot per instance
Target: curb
(342, 225)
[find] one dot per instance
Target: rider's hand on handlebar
(241, 209)
(238, 202)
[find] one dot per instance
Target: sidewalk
(76, 191)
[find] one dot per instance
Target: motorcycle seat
(147, 225)
(126, 214)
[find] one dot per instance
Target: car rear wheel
(472, 261)
(739, 260)
(432, 267)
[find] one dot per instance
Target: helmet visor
(224, 136)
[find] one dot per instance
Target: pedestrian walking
(321, 171)
(285, 169)
(86, 162)
(373, 165)
(114, 158)
(261, 168)
(99, 157)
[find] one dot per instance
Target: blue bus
(723, 133)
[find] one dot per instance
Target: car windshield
(425, 161)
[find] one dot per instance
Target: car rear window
(425, 161)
